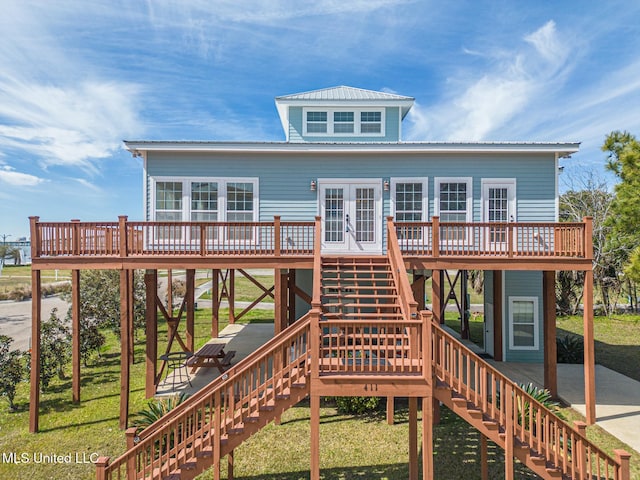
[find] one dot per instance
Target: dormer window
(316, 122)
(344, 122)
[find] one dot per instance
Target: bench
(226, 360)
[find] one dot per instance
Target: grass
(19, 276)
(246, 291)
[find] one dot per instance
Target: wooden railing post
(622, 457)
(75, 234)
(579, 450)
(122, 229)
(101, 465)
(427, 346)
(509, 432)
(588, 237)
(314, 343)
(435, 236)
(276, 235)
(35, 237)
(130, 433)
(511, 239)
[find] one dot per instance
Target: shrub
(357, 405)
(12, 371)
(156, 409)
(570, 349)
(55, 348)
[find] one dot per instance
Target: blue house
(355, 223)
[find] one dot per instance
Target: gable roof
(343, 92)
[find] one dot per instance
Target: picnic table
(211, 355)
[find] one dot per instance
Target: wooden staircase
(363, 325)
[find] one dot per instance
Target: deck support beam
(291, 288)
(36, 322)
(130, 314)
(427, 437)
(124, 348)
(315, 437)
(390, 410)
(190, 299)
(215, 302)
(413, 438)
(231, 294)
(438, 317)
(418, 288)
(497, 315)
(75, 335)
(280, 279)
(589, 350)
(550, 355)
(151, 331)
(484, 458)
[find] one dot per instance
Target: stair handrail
(213, 390)
(317, 265)
(530, 410)
(408, 305)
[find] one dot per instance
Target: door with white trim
(499, 207)
(351, 214)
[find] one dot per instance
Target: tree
(12, 371)
(623, 155)
(55, 349)
(7, 251)
(589, 195)
(100, 299)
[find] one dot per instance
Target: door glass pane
(365, 215)
(408, 200)
(334, 215)
(498, 211)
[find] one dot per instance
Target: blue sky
(78, 77)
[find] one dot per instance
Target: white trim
(510, 183)
(556, 174)
(145, 181)
(536, 322)
(425, 194)
(330, 123)
(503, 299)
(437, 181)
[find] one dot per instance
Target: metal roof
(344, 93)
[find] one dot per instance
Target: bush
(156, 409)
(357, 405)
(12, 371)
(55, 348)
(570, 349)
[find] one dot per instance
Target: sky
(77, 77)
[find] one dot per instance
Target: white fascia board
(562, 149)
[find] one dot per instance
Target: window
(168, 201)
(409, 203)
(343, 122)
(204, 201)
(316, 122)
(523, 317)
(370, 122)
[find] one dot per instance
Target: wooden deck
(285, 244)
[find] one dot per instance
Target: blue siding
(392, 129)
(524, 284)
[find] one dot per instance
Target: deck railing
(522, 416)
(129, 239)
(297, 238)
(489, 239)
(211, 414)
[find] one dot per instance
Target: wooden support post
(170, 292)
(278, 297)
(418, 289)
(464, 308)
(231, 289)
(413, 438)
(484, 458)
(36, 321)
(190, 301)
(589, 350)
(124, 349)
(390, 410)
(284, 297)
(217, 418)
(130, 314)
(509, 434)
(75, 335)
(151, 331)
(550, 355)
(497, 315)
(230, 465)
(427, 437)
(315, 437)
(436, 295)
(291, 288)
(215, 302)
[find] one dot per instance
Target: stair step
(186, 466)
(554, 472)
(206, 452)
(491, 425)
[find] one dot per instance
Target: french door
(498, 207)
(351, 214)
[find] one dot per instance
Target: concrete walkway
(617, 396)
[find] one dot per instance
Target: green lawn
(246, 291)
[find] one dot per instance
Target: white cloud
(10, 176)
(479, 107)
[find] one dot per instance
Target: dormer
(343, 114)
